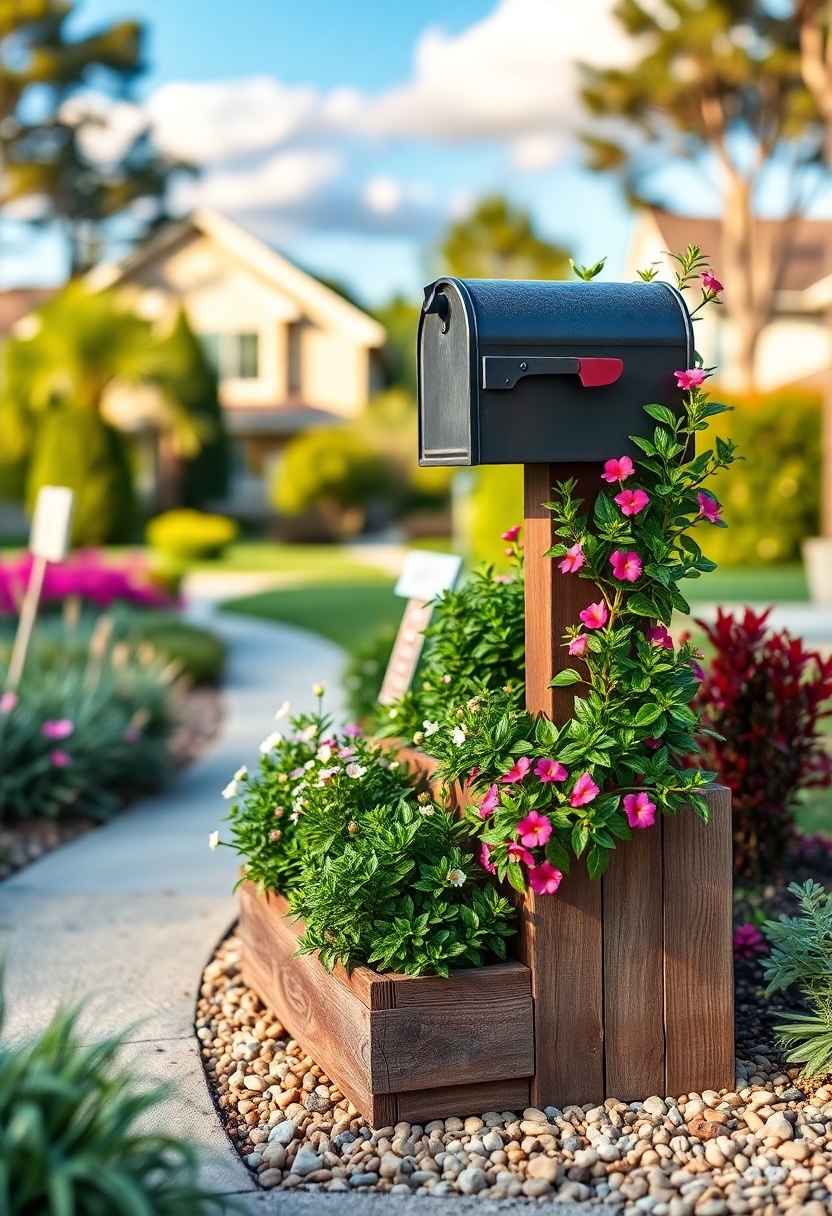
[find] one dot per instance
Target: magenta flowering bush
(541, 794)
(87, 575)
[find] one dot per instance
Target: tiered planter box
(399, 1047)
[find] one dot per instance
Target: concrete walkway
(126, 917)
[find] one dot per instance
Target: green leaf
(566, 677)
(515, 876)
(597, 860)
(641, 605)
(557, 855)
(661, 413)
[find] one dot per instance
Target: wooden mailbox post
(632, 975)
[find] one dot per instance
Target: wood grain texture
(560, 941)
(462, 1100)
(375, 1034)
(633, 931)
(698, 954)
(553, 599)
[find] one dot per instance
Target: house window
(232, 356)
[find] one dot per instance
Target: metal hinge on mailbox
(503, 371)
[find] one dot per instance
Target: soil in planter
(706, 1152)
(199, 716)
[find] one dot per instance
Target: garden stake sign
(424, 576)
(48, 542)
(632, 975)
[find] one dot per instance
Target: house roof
(807, 256)
(316, 301)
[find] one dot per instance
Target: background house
(290, 353)
(795, 347)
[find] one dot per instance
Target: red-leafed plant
(765, 695)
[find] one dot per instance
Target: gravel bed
(765, 1146)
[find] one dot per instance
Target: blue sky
(350, 134)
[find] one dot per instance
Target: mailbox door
(447, 379)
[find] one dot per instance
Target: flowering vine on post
(540, 793)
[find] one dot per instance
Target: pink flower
(490, 802)
(544, 879)
(508, 552)
(535, 829)
(518, 770)
(59, 728)
(8, 702)
(579, 644)
(653, 744)
(583, 791)
(632, 501)
(617, 470)
(657, 635)
(697, 670)
(595, 616)
(573, 561)
(512, 533)
(485, 859)
(710, 283)
(351, 731)
(60, 759)
(709, 508)
(626, 566)
(549, 769)
(474, 773)
(516, 852)
(692, 378)
(748, 942)
(640, 811)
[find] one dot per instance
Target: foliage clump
(189, 535)
(76, 1135)
(335, 471)
(379, 872)
(766, 696)
(801, 954)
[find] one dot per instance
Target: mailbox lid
(516, 314)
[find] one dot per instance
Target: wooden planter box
(399, 1047)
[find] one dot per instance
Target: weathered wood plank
(462, 1100)
(560, 937)
(698, 954)
(633, 933)
(336, 1033)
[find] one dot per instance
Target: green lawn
(748, 584)
(345, 612)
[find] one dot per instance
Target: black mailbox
(529, 372)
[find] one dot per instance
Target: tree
(498, 241)
(46, 156)
(55, 387)
(719, 85)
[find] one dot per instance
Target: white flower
(355, 770)
(309, 764)
(241, 773)
(318, 690)
(282, 712)
(295, 815)
(324, 752)
(213, 840)
(456, 878)
(458, 736)
(230, 790)
(309, 733)
(430, 727)
(270, 742)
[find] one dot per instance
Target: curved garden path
(125, 918)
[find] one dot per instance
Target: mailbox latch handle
(503, 371)
(437, 302)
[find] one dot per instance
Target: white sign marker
(425, 575)
(48, 542)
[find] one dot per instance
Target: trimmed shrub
(334, 471)
(765, 697)
(772, 500)
(76, 1134)
(188, 535)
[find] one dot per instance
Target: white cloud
(534, 152)
(282, 180)
(383, 194)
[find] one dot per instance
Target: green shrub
(475, 643)
(189, 535)
(76, 1135)
(197, 652)
(335, 471)
(495, 503)
(772, 501)
(87, 731)
(379, 873)
(801, 954)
